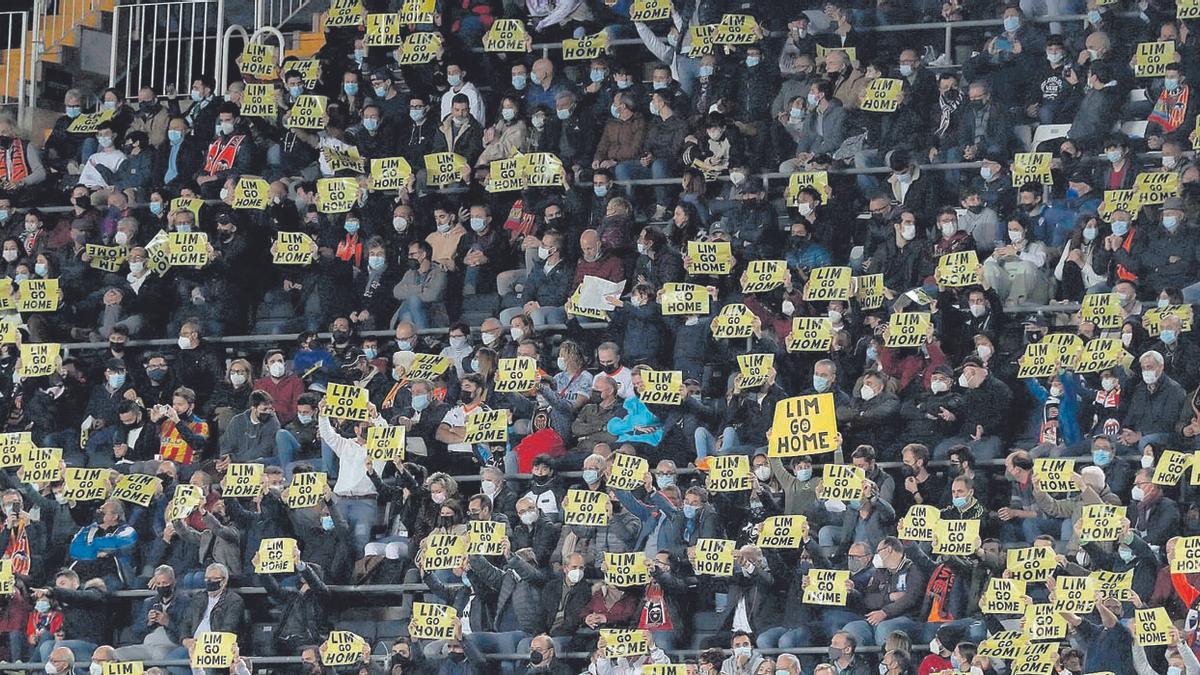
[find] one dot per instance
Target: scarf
(18, 548)
(948, 102)
(1170, 108)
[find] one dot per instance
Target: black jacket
(303, 614)
(572, 599)
(226, 615)
(985, 406)
(86, 614)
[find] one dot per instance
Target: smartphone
(1004, 44)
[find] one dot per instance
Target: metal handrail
(17, 21)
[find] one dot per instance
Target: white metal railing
(14, 70)
(166, 45)
(54, 20)
(276, 13)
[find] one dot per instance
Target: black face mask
(594, 397)
(541, 480)
(99, 516)
(907, 471)
(165, 591)
(212, 585)
(413, 264)
(465, 396)
(117, 347)
(5, 141)
(341, 335)
(147, 106)
(400, 660)
(445, 522)
(610, 368)
(458, 657)
(82, 202)
(535, 657)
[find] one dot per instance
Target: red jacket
(285, 392)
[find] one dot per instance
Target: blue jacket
(636, 415)
(1068, 412)
(1060, 217)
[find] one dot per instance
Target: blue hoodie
(636, 415)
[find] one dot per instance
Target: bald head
(589, 245)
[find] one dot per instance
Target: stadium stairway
(306, 43)
(60, 33)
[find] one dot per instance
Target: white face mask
(1149, 376)
(276, 369)
(805, 208)
(938, 386)
(762, 472)
(184, 343)
(866, 393)
(575, 576)
(1109, 383)
(529, 517)
(1147, 461)
(835, 316)
(136, 266)
(983, 351)
(1016, 236)
(908, 232)
(949, 228)
(964, 381)
(487, 487)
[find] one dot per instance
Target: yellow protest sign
(214, 649)
(444, 551)
(1037, 361)
(1103, 310)
(1054, 475)
(754, 369)
(736, 29)
(428, 367)
(516, 375)
(828, 283)
(680, 299)
(505, 175)
(585, 507)
(1171, 466)
(486, 426)
(919, 523)
(661, 387)
(1005, 645)
(1152, 626)
(714, 557)
(136, 488)
(627, 472)
(956, 270)
(486, 537)
(650, 10)
(310, 70)
(544, 169)
(1031, 167)
(432, 621)
(1031, 564)
(419, 48)
(444, 168)
(123, 668)
(293, 248)
(907, 329)
(184, 500)
(868, 290)
(1041, 622)
(1098, 354)
(763, 275)
(843, 482)
(1100, 522)
(803, 425)
(308, 112)
(626, 569)
(782, 532)
(701, 37)
(8, 327)
(810, 334)
(306, 489)
(586, 47)
(709, 257)
(729, 473)
(342, 648)
(243, 480)
(734, 321)
(39, 360)
(258, 61)
(1151, 59)
(956, 537)
(1118, 200)
(618, 643)
(385, 444)
(1152, 318)
(1154, 187)
(1037, 658)
(336, 195)
(417, 11)
(89, 123)
(346, 402)
(817, 180)
(572, 308)
(84, 485)
(882, 95)
(389, 173)
(383, 30)
(664, 669)
(1117, 584)
(187, 249)
(1003, 596)
(105, 258)
(258, 100)
(276, 556)
(1187, 9)
(1074, 594)
(251, 192)
(344, 13)
(505, 35)
(343, 159)
(826, 587)
(38, 295)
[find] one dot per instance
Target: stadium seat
(1048, 132)
(1135, 129)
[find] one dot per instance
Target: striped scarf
(18, 548)
(1170, 108)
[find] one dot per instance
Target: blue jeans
(689, 74)
(498, 643)
(877, 635)
(360, 517)
(82, 650)
(633, 170)
(1032, 528)
(413, 309)
(286, 446)
(785, 637)
(330, 461)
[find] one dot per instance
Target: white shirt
(205, 626)
(624, 380)
(456, 418)
(90, 176)
(476, 101)
(741, 620)
(352, 460)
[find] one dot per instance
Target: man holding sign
(355, 493)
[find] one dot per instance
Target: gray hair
(219, 568)
(1153, 356)
(166, 571)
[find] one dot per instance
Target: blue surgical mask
(40, 269)
(804, 475)
(420, 402)
(1072, 193)
(564, 113)
(42, 606)
(591, 476)
(105, 141)
(598, 75)
(854, 504)
(795, 113)
(478, 224)
(1167, 336)
(906, 70)
(600, 190)
(612, 110)
(690, 511)
(327, 523)
(371, 124)
(872, 354)
(706, 71)
(197, 96)
(1170, 222)
(1089, 233)
(381, 92)
(985, 172)
(1101, 458)
(1125, 553)
(659, 86)
(820, 384)
(175, 135)
(624, 84)
(664, 480)
(404, 345)
(474, 365)
(116, 380)
(351, 226)
(1093, 16)
(296, 91)
(156, 208)
(183, 227)
(812, 99)
(376, 262)
(1113, 156)
(74, 111)
(454, 80)
(360, 54)
(519, 81)
(508, 114)
(960, 502)
(1171, 83)
(1163, 303)
(1120, 227)
(752, 61)
(417, 115)
(304, 419)
(1012, 23)
(351, 88)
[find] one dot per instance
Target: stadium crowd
(456, 283)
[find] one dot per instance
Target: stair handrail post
(22, 79)
(39, 45)
(113, 46)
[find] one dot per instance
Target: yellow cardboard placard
(1005, 645)
(343, 159)
(276, 555)
(1102, 309)
(419, 48)
(1031, 167)
(828, 283)
(1150, 59)
(444, 551)
(486, 537)
(123, 668)
(782, 531)
(956, 270)
(1100, 522)
(428, 367)
(826, 587)
(714, 557)
(1098, 354)
(417, 11)
(544, 169)
(89, 123)
(258, 61)
(650, 10)
(678, 299)
(1037, 361)
(516, 375)
(661, 387)
(810, 334)
(803, 425)
(431, 621)
(843, 482)
(308, 112)
(336, 195)
(187, 249)
(8, 327)
(1119, 585)
(1154, 187)
(585, 507)
(389, 173)
(1171, 466)
(701, 37)
(627, 472)
(184, 500)
(38, 295)
(1074, 594)
(1041, 622)
(618, 643)
(1054, 475)
(1003, 596)
(258, 100)
(1186, 9)
(243, 480)
(817, 180)
(214, 649)
(505, 175)
(385, 444)
(310, 70)
(13, 447)
(626, 569)
(344, 13)
(1118, 200)
(734, 321)
(1152, 626)
(384, 30)
(444, 168)
(1152, 318)
(868, 290)
(754, 369)
(736, 29)
(85, 485)
(293, 248)
(764, 275)
(709, 257)
(956, 537)
(882, 95)
(586, 47)
(908, 329)
(919, 523)
(1033, 564)
(251, 192)
(306, 489)
(505, 35)
(346, 402)
(486, 426)
(729, 473)
(136, 488)
(342, 648)
(1037, 658)
(39, 359)
(105, 258)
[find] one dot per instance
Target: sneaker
(702, 463)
